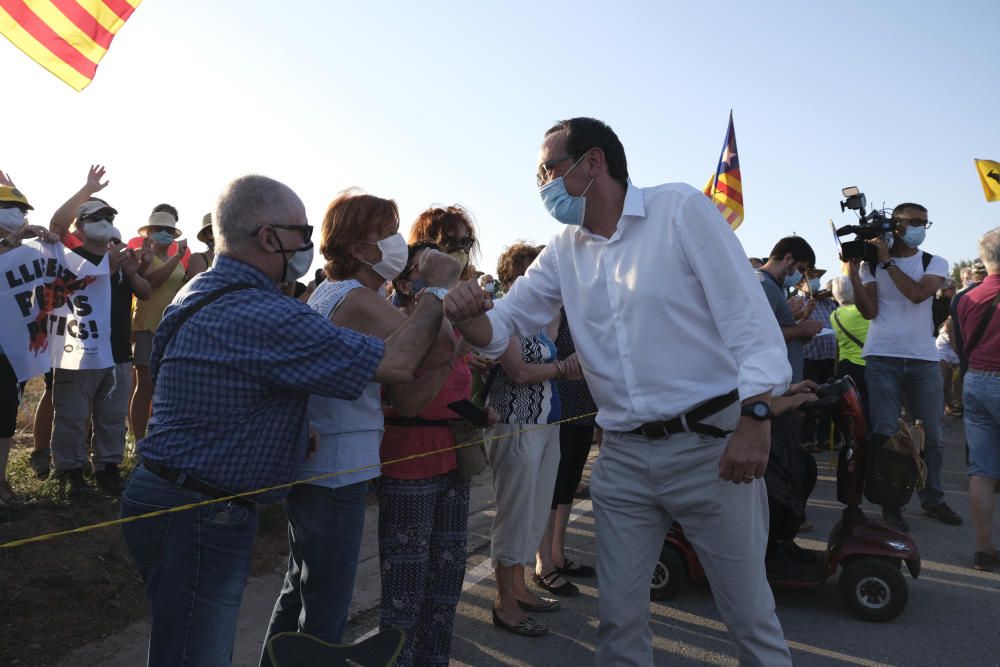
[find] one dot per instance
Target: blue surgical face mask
(794, 279)
(914, 236)
(560, 204)
(162, 237)
(814, 285)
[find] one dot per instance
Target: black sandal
(571, 569)
(567, 589)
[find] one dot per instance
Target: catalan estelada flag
(725, 187)
(66, 37)
(989, 174)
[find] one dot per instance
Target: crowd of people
(402, 350)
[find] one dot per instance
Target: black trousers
(574, 448)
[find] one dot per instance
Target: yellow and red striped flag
(725, 187)
(66, 37)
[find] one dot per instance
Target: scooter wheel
(874, 590)
(668, 575)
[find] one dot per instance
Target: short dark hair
(166, 208)
(907, 207)
(800, 249)
(582, 134)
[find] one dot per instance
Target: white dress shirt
(665, 314)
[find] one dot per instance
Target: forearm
(407, 346)
(410, 398)
(478, 331)
(159, 275)
(140, 286)
(911, 289)
(867, 306)
(524, 374)
(65, 214)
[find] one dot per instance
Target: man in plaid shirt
(234, 362)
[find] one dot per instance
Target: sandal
(546, 605)
(567, 589)
(526, 627)
(571, 569)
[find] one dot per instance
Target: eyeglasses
(915, 222)
(545, 169)
(96, 217)
(305, 230)
(464, 243)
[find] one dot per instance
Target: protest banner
(56, 309)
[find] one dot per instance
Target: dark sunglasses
(464, 243)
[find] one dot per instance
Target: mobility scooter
(869, 553)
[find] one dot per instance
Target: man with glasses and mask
(682, 378)
(895, 293)
(234, 362)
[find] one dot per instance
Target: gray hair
(842, 290)
(247, 204)
(989, 250)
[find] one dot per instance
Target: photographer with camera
(895, 293)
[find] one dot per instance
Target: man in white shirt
(900, 355)
(671, 326)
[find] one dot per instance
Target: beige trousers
(524, 475)
(638, 488)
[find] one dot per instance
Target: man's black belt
(690, 421)
(184, 480)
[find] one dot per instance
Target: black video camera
(870, 226)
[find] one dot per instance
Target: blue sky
(447, 102)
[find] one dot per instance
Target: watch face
(761, 411)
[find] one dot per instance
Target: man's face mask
(913, 236)
(560, 204)
(793, 279)
(11, 219)
(99, 231)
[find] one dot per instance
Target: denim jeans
(891, 378)
(324, 538)
(982, 423)
(194, 565)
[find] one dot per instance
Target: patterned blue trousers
(422, 534)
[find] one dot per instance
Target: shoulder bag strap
(847, 333)
(206, 300)
(970, 345)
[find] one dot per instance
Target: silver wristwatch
(439, 292)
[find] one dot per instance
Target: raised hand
(465, 301)
(130, 261)
(181, 247)
(94, 177)
(438, 269)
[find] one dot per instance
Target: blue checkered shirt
(232, 388)
(822, 347)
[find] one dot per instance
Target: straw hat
(206, 227)
(163, 220)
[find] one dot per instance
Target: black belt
(690, 420)
(184, 480)
(415, 421)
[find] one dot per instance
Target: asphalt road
(952, 616)
(951, 619)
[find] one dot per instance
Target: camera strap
(971, 344)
